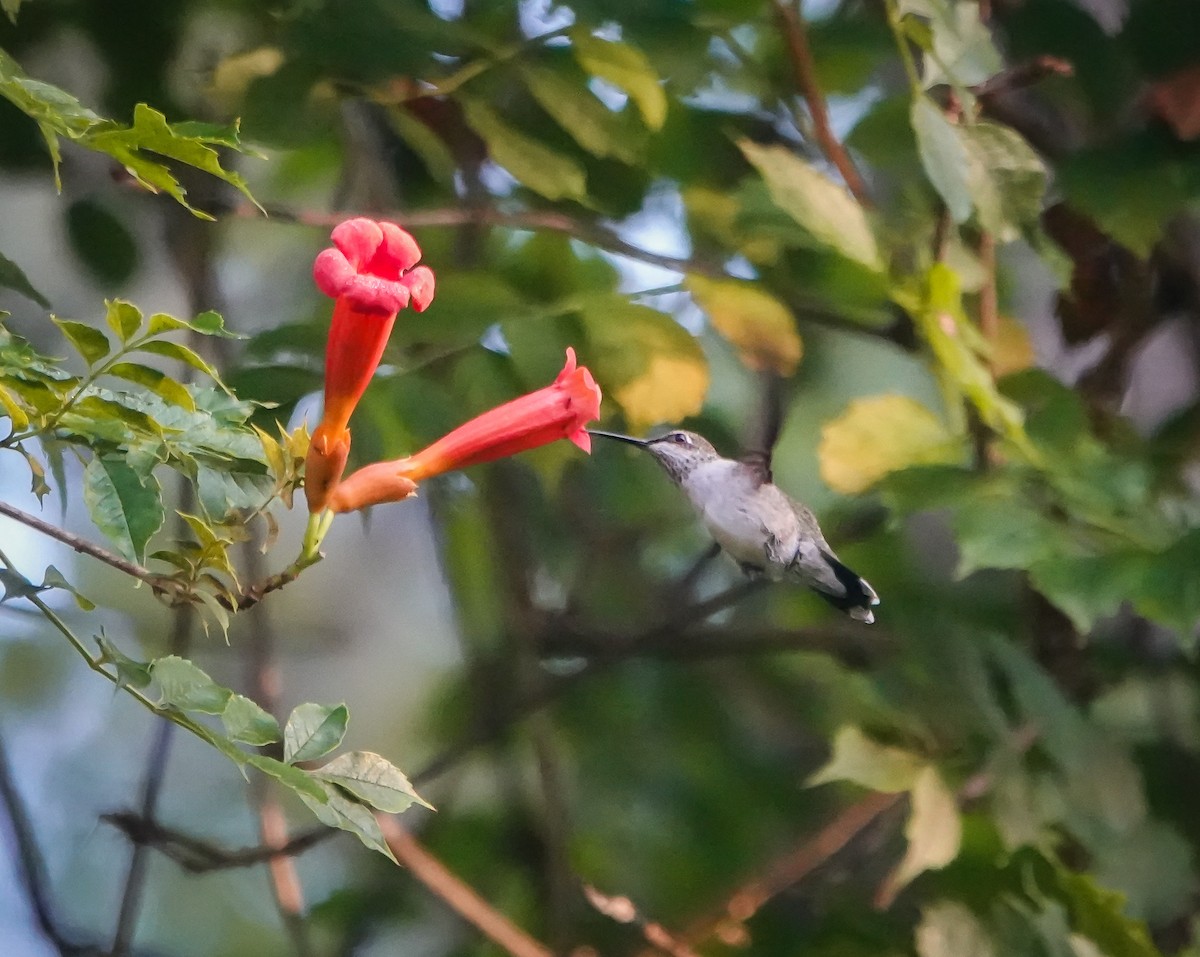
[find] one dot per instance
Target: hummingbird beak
(619, 437)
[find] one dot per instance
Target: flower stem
(314, 534)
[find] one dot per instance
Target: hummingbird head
(679, 451)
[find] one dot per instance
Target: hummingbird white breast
(737, 510)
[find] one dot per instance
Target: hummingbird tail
(857, 597)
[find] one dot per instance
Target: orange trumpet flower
(558, 411)
(372, 273)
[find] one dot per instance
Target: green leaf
(944, 156)
(1003, 532)
(176, 350)
(759, 326)
(125, 507)
(207, 323)
(313, 730)
(963, 52)
(88, 341)
(157, 382)
(949, 929)
(11, 277)
(532, 163)
(184, 686)
(248, 723)
(373, 779)
(11, 7)
(1007, 178)
(136, 674)
(123, 318)
(879, 435)
(624, 67)
(826, 211)
(17, 585)
(877, 766)
(152, 136)
(1099, 914)
(650, 364)
(431, 148)
(54, 579)
(341, 811)
(576, 109)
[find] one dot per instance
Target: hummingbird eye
(681, 438)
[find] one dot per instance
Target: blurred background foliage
(952, 242)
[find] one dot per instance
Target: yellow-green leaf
(534, 164)
(861, 760)
(826, 210)
(624, 67)
(760, 327)
(123, 318)
(882, 434)
(647, 362)
(157, 382)
(88, 341)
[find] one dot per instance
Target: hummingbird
(761, 527)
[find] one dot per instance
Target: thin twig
(197, 856)
(795, 33)
(624, 911)
(175, 592)
(30, 863)
(459, 896)
(551, 690)
(156, 767)
(788, 870)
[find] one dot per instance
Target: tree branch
(746, 900)
(456, 894)
(30, 864)
(795, 34)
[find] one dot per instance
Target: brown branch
(1022, 75)
(456, 894)
(497, 725)
(624, 911)
(199, 857)
(795, 34)
(174, 592)
(727, 920)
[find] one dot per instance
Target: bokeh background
(545, 644)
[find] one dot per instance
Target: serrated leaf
(651, 365)
(123, 318)
(995, 532)
(210, 323)
(157, 382)
(373, 779)
(340, 811)
(136, 674)
(858, 759)
(125, 507)
(880, 435)
(184, 354)
(944, 156)
(185, 686)
(313, 730)
(934, 831)
(12, 277)
(87, 340)
(1006, 177)
(576, 109)
(826, 210)
(53, 578)
(1099, 914)
(247, 722)
(759, 326)
(531, 162)
(624, 67)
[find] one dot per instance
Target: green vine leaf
(125, 506)
(372, 778)
(313, 730)
(341, 811)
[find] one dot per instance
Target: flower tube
(372, 274)
(558, 411)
